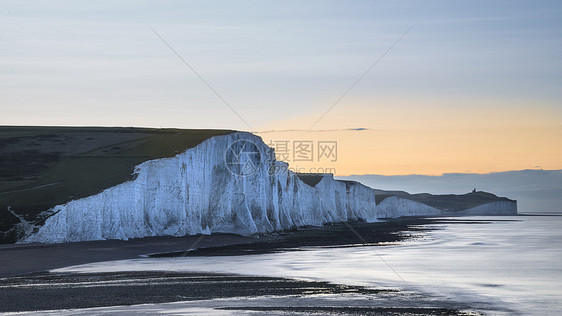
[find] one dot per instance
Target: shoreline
(181, 293)
(18, 259)
(23, 288)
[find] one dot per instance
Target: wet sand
(56, 291)
(27, 286)
(17, 259)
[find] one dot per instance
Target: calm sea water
(506, 264)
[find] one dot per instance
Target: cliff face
(202, 191)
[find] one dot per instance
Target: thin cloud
(357, 129)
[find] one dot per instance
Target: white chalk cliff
(198, 192)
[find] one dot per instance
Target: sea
(501, 265)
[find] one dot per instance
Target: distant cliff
(229, 183)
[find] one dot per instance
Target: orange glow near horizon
(431, 139)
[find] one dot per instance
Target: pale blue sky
(98, 63)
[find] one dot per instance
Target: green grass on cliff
(446, 202)
(41, 167)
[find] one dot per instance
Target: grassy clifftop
(445, 202)
(41, 167)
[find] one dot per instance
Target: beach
(499, 265)
(29, 282)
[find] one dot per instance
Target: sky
(434, 86)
